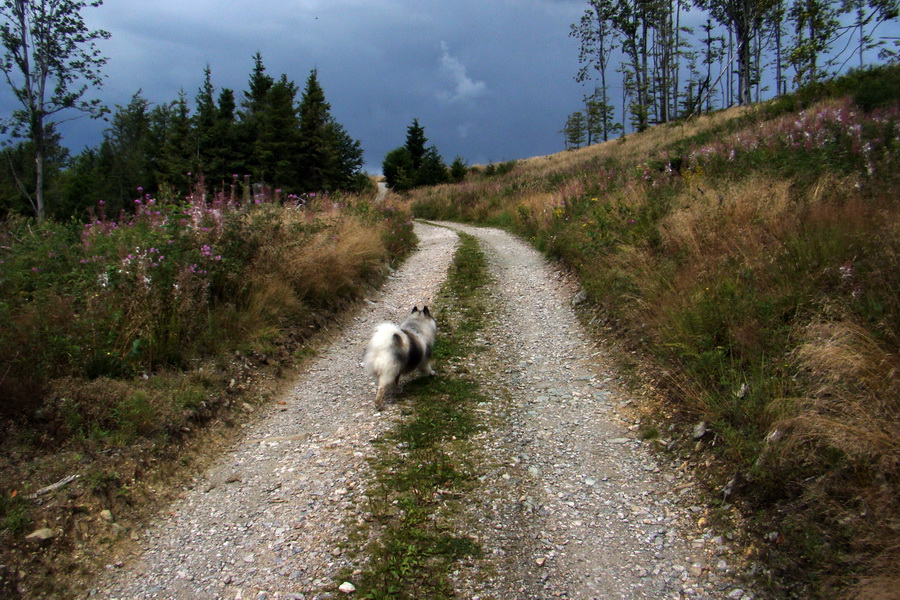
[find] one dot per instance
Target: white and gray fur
(396, 350)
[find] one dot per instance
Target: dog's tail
(380, 356)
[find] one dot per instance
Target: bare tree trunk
(677, 68)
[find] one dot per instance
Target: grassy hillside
(753, 256)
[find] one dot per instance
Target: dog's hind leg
(385, 384)
(379, 397)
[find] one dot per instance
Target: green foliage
(14, 512)
(575, 131)
(458, 170)
(398, 169)
(273, 142)
(50, 60)
(174, 282)
(414, 165)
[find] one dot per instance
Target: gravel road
(573, 504)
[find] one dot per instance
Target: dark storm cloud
(487, 80)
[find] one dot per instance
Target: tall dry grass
(847, 428)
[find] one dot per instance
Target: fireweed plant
(174, 280)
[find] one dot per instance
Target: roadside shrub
(173, 281)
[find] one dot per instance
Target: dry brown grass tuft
(852, 405)
(723, 218)
(630, 149)
(853, 394)
(333, 259)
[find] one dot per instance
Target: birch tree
(50, 60)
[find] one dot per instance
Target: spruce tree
(349, 159)
(126, 152)
(279, 143)
(175, 158)
(433, 170)
(415, 143)
(397, 168)
(458, 170)
(574, 131)
(226, 156)
(204, 122)
(317, 158)
(253, 105)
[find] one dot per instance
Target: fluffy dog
(396, 350)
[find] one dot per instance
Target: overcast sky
(489, 80)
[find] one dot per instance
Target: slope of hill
(751, 258)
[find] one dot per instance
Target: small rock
(580, 298)
(41, 535)
(540, 561)
(106, 515)
(336, 552)
(699, 430)
(735, 594)
(347, 587)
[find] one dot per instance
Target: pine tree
(415, 143)
(204, 122)
(279, 145)
(317, 158)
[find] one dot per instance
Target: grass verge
(425, 465)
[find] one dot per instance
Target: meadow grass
(426, 464)
(126, 334)
(752, 255)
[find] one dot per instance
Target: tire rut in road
(573, 505)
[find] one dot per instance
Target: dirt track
(573, 506)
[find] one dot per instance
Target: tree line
(669, 70)
(265, 137)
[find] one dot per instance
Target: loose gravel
(571, 503)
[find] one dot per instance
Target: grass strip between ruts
(425, 465)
